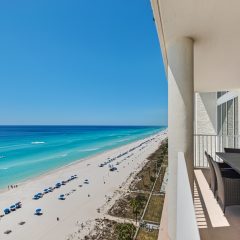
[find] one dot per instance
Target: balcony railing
(212, 144)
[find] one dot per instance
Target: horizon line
(87, 125)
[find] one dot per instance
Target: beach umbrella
(6, 211)
(62, 195)
(38, 210)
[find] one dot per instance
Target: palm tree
(142, 177)
(135, 204)
(125, 231)
(149, 171)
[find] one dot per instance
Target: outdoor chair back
(232, 150)
(213, 180)
(228, 186)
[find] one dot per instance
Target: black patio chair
(228, 186)
(213, 179)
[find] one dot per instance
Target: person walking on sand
(57, 218)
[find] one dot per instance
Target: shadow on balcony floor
(212, 223)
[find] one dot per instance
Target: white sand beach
(81, 204)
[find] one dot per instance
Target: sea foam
(88, 150)
(37, 142)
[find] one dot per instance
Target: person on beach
(57, 218)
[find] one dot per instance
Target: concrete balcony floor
(212, 223)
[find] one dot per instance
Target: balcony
(202, 211)
(211, 221)
(200, 50)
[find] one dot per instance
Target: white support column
(180, 120)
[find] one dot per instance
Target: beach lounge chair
(40, 195)
(38, 211)
(36, 197)
(18, 205)
(13, 208)
(8, 232)
(45, 191)
(62, 197)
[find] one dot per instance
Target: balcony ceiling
(215, 28)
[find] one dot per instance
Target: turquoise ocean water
(28, 151)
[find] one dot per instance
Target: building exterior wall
(216, 124)
(205, 113)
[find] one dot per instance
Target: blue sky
(80, 62)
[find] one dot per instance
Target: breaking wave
(37, 142)
(88, 150)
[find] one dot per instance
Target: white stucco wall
(205, 113)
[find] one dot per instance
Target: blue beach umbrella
(36, 197)
(6, 211)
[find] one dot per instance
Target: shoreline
(52, 171)
(81, 204)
